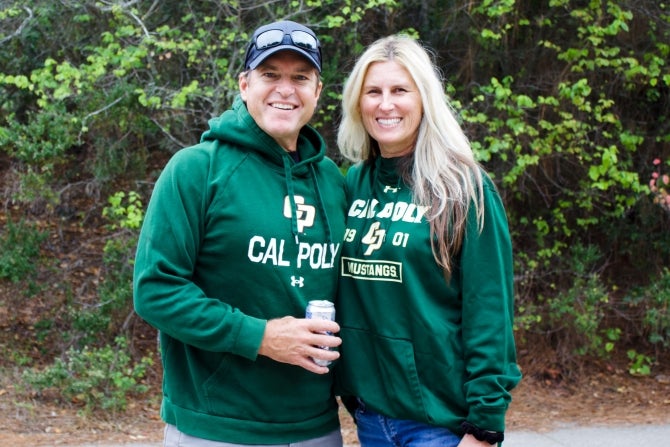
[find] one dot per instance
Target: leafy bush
(19, 250)
(110, 313)
(566, 104)
(125, 214)
(639, 364)
(575, 318)
(653, 302)
(96, 379)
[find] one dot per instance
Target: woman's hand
(471, 441)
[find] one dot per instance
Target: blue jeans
(376, 430)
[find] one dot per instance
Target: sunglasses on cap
(272, 38)
(283, 35)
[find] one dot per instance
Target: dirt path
(539, 405)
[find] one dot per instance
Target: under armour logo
(390, 188)
(373, 238)
(299, 281)
(305, 213)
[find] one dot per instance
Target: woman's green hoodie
(415, 345)
(237, 233)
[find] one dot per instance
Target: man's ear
(319, 87)
(243, 84)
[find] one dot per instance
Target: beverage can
(321, 310)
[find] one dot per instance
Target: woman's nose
(387, 102)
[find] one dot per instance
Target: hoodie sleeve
(165, 294)
(488, 306)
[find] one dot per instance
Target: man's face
(281, 95)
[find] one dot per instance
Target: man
(242, 230)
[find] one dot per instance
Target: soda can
(321, 310)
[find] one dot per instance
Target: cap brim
(270, 51)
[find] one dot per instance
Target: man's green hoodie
(237, 233)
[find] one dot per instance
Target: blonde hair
(444, 174)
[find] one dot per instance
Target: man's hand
(297, 340)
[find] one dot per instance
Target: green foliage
(653, 300)
(125, 214)
(96, 379)
(42, 141)
(19, 250)
(567, 130)
(594, 176)
(90, 323)
(640, 364)
(575, 314)
(39, 144)
(567, 105)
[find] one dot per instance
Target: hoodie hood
(237, 127)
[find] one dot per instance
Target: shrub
(19, 248)
(653, 302)
(97, 379)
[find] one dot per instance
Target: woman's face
(391, 108)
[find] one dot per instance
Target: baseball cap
(282, 35)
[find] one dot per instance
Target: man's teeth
(283, 106)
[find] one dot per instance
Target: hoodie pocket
(382, 372)
(264, 390)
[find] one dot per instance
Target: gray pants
(175, 438)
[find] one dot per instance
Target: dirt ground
(539, 403)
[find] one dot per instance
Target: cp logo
(305, 213)
(374, 238)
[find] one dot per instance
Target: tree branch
(20, 28)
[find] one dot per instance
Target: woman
(425, 302)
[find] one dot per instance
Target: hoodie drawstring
(291, 193)
(322, 207)
(294, 208)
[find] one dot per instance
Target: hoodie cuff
(489, 419)
(492, 437)
(250, 337)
